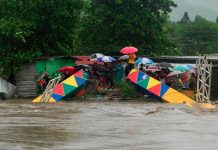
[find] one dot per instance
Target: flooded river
(106, 126)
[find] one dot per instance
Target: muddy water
(106, 125)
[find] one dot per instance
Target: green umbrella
(181, 68)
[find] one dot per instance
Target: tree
(113, 24)
(199, 36)
(217, 19)
(185, 18)
(29, 28)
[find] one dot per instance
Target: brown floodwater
(106, 126)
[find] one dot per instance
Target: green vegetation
(127, 90)
(194, 38)
(32, 28)
(113, 24)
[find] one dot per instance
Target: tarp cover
(7, 89)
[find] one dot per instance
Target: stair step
(26, 92)
(23, 85)
(27, 95)
(26, 88)
(25, 78)
(26, 83)
(25, 74)
(27, 68)
(28, 64)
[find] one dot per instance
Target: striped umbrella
(95, 56)
(107, 59)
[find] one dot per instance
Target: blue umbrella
(145, 61)
(106, 59)
(189, 67)
(95, 56)
(181, 68)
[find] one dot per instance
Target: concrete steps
(26, 85)
(25, 78)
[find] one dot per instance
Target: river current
(106, 126)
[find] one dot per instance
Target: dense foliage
(29, 28)
(113, 24)
(194, 38)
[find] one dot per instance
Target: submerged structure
(70, 86)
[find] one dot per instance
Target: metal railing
(49, 89)
(203, 79)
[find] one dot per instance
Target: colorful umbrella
(174, 73)
(145, 61)
(67, 70)
(95, 56)
(181, 68)
(124, 57)
(128, 50)
(107, 59)
(164, 65)
(153, 68)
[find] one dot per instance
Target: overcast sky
(205, 8)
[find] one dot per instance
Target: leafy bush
(29, 29)
(127, 90)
